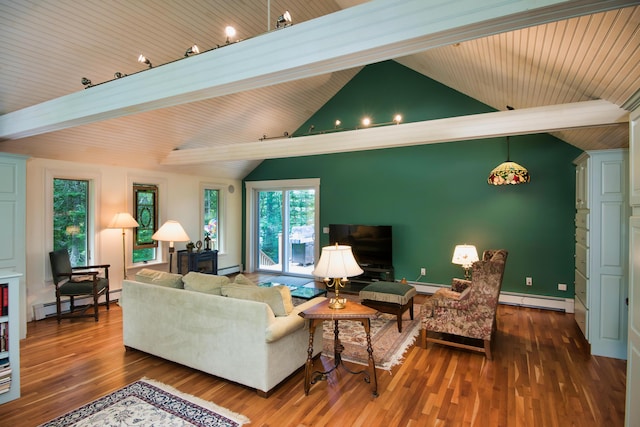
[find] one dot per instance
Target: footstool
(389, 297)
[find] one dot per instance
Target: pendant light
(509, 172)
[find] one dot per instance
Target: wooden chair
(466, 318)
(75, 282)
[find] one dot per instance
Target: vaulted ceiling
(553, 61)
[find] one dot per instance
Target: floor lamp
(123, 220)
(171, 231)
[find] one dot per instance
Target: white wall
(179, 199)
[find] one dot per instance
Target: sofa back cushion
(160, 278)
(241, 279)
(206, 283)
(277, 297)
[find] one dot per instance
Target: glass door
(286, 224)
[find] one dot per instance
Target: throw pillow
(241, 279)
(160, 278)
(277, 297)
(206, 283)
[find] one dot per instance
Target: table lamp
(337, 263)
(123, 220)
(465, 255)
(171, 231)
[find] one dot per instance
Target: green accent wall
(436, 196)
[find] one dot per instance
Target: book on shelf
(4, 336)
(4, 299)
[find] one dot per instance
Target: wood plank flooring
(540, 376)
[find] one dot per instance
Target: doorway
(282, 225)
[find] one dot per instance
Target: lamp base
(337, 303)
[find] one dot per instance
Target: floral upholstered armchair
(466, 314)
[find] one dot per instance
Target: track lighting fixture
(230, 32)
(86, 82)
(192, 50)
(284, 20)
(285, 134)
(119, 75)
(144, 60)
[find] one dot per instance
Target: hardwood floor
(540, 376)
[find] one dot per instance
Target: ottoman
(389, 297)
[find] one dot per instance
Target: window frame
(86, 221)
(221, 189)
(162, 185)
(94, 205)
(147, 188)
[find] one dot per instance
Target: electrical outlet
(423, 271)
(529, 281)
(562, 286)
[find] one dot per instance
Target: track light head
(86, 82)
(192, 50)
(229, 32)
(144, 60)
(284, 20)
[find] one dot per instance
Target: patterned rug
(389, 345)
(149, 403)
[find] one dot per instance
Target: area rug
(389, 346)
(149, 403)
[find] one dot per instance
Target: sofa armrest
(284, 325)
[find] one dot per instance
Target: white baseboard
(229, 270)
(512, 298)
(48, 309)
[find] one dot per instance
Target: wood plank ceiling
(50, 44)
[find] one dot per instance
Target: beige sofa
(241, 340)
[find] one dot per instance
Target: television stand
(370, 275)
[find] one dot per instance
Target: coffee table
(306, 291)
(352, 311)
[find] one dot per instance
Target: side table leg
(337, 345)
(308, 368)
(372, 364)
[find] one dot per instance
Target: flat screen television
(371, 244)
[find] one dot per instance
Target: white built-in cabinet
(12, 269)
(601, 257)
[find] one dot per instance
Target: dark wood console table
(202, 262)
(353, 311)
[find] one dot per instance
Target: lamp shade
(465, 255)
(171, 231)
(509, 173)
(123, 220)
(337, 261)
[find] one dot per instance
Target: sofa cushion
(277, 297)
(206, 283)
(241, 279)
(160, 278)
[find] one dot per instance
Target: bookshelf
(10, 337)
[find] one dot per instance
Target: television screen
(371, 244)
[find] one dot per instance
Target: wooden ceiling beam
(363, 34)
(473, 127)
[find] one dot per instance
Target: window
(71, 218)
(210, 216)
(145, 201)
